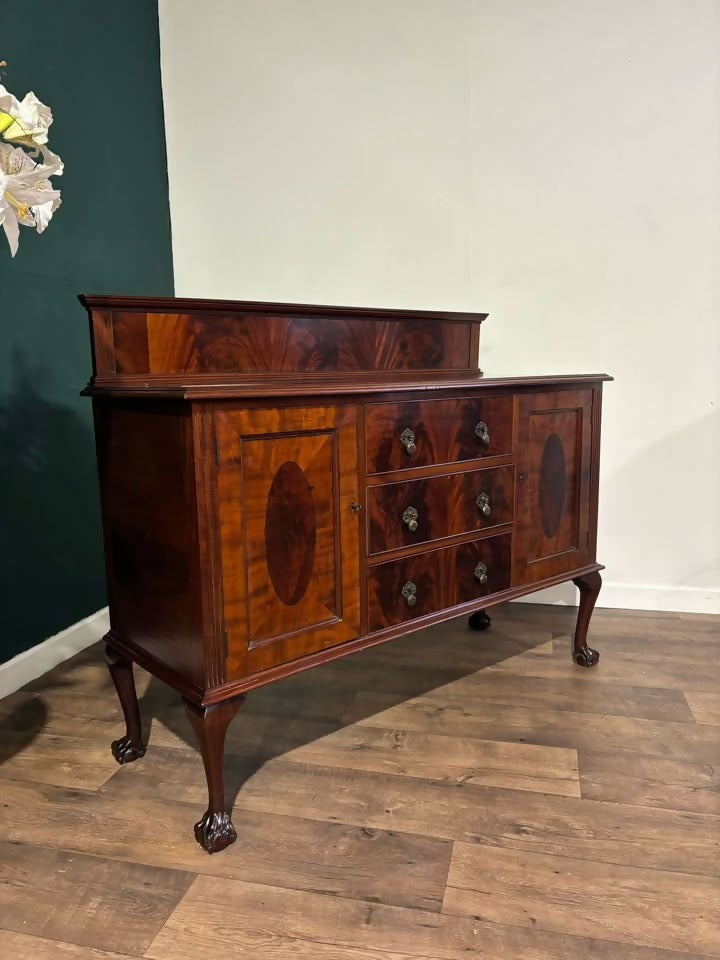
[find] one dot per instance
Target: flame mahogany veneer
(284, 484)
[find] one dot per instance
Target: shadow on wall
(51, 540)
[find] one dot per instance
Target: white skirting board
(623, 596)
(36, 661)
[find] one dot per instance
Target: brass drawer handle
(410, 519)
(482, 432)
(483, 504)
(409, 591)
(407, 439)
(481, 573)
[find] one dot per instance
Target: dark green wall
(97, 65)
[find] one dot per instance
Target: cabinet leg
(131, 746)
(589, 587)
(214, 831)
(479, 620)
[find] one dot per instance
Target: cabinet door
(290, 541)
(553, 484)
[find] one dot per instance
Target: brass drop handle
(483, 504)
(409, 592)
(482, 432)
(481, 573)
(407, 439)
(410, 519)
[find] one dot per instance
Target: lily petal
(12, 231)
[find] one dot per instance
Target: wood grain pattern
(462, 563)
(553, 484)
(20, 946)
(375, 386)
(446, 506)
(431, 756)
(350, 790)
(552, 727)
(444, 431)
(280, 923)
(705, 705)
(243, 341)
(69, 896)
(147, 480)
(386, 603)
(678, 784)
(334, 859)
(653, 908)
(441, 578)
(49, 758)
(254, 447)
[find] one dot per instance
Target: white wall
(553, 162)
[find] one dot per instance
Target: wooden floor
(447, 795)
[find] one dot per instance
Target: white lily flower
(26, 194)
(26, 121)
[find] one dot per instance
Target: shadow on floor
(305, 706)
(314, 703)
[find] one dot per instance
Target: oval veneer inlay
(290, 533)
(551, 485)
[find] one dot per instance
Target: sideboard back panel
(200, 343)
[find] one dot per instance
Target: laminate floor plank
(626, 904)
(235, 920)
(705, 707)
(63, 761)
(482, 720)
(562, 692)
(20, 946)
(336, 859)
(85, 900)
(650, 781)
(430, 756)
(670, 675)
(588, 829)
(581, 806)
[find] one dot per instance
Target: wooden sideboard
(286, 484)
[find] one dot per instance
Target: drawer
(419, 433)
(402, 590)
(405, 589)
(418, 511)
(479, 568)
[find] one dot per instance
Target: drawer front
(405, 589)
(420, 433)
(418, 511)
(479, 568)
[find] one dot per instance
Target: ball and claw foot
(125, 750)
(479, 620)
(215, 832)
(586, 656)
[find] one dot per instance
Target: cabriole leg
(131, 746)
(589, 587)
(214, 831)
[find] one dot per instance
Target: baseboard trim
(623, 596)
(33, 663)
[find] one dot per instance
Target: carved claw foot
(479, 620)
(215, 832)
(125, 750)
(586, 656)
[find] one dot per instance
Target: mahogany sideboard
(286, 484)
